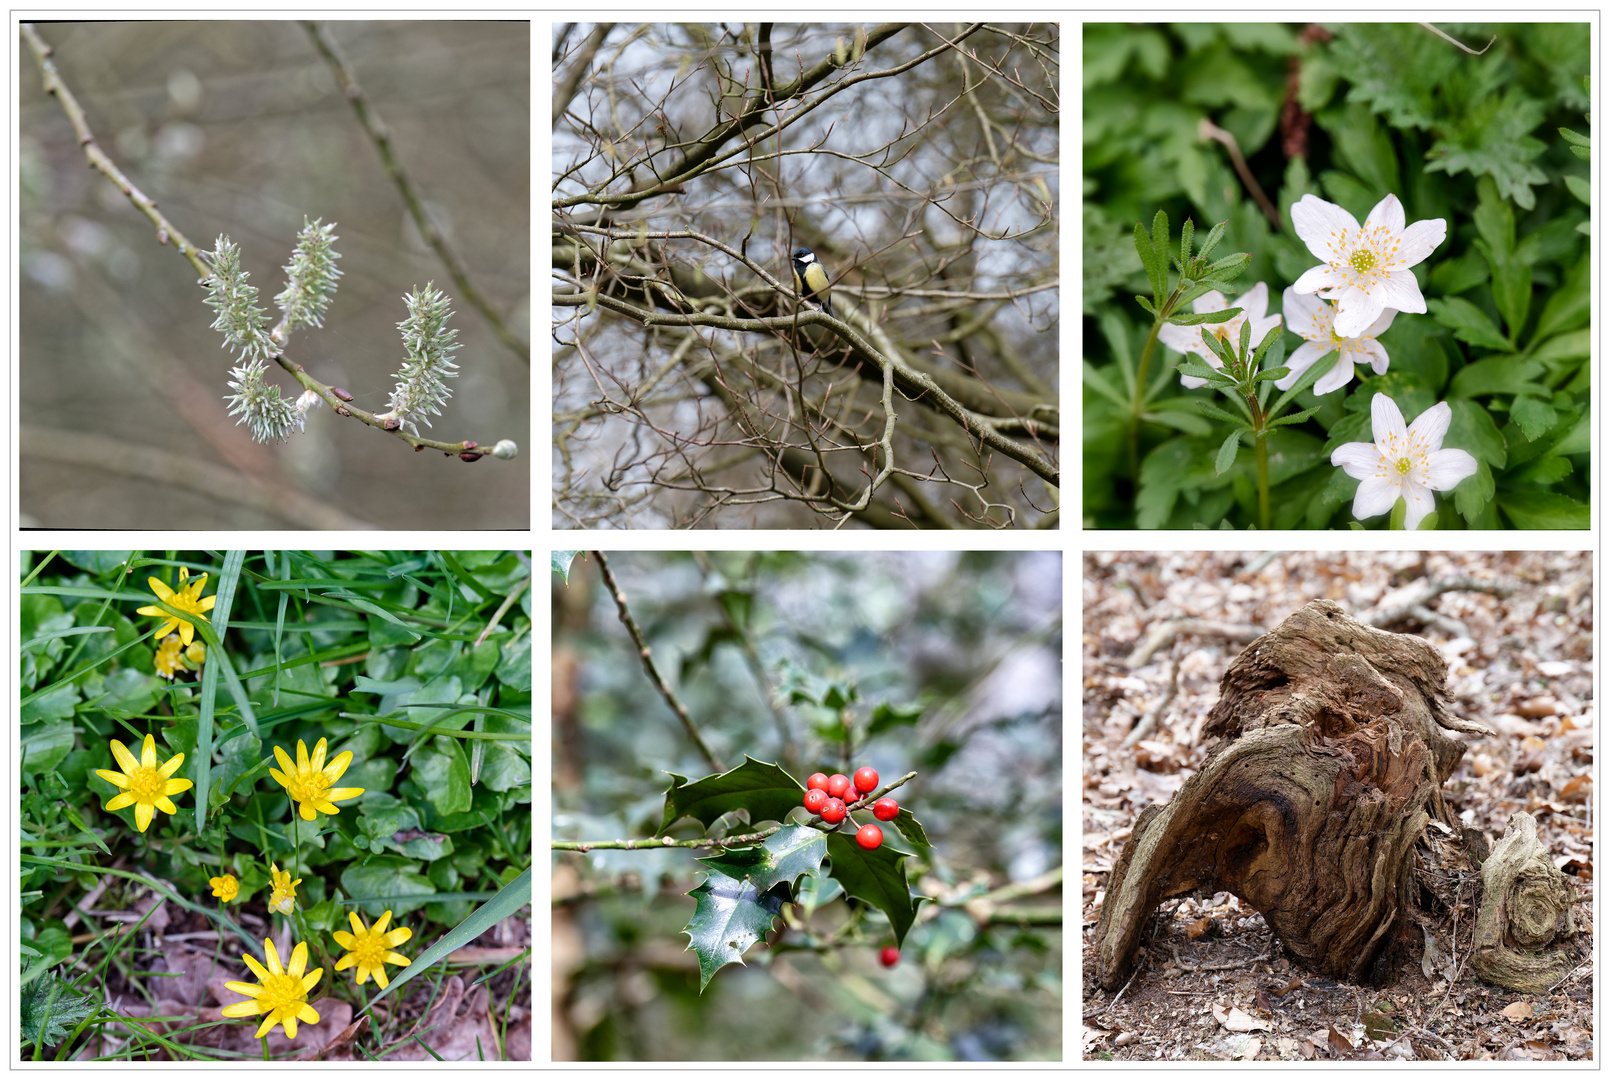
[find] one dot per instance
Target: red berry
(837, 785)
(818, 781)
(834, 811)
(866, 778)
(869, 837)
(889, 957)
(885, 809)
(815, 799)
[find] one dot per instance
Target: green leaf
(1227, 451)
(1189, 423)
(765, 790)
(1576, 345)
(560, 561)
(1202, 318)
(1295, 418)
(1471, 428)
(1543, 510)
(1217, 413)
(380, 881)
(443, 773)
(729, 916)
(787, 854)
(1428, 523)
(1533, 416)
(1498, 375)
(1098, 382)
(1467, 321)
(886, 717)
(878, 877)
(506, 904)
(1400, 513)
(51, 1009)
(1473, 494)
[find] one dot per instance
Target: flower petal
(1357, 309)
(1420, 240)
(1420, 503)
(125, 760)
(143, 813)
(1445, 468)
(1399, 291)
(1388, 212)
(1430, 427)
(1386, 421)
(1357, 459)
(1316, 278)
(1321, 225)
(1376, 495)
(120, 800)
(1337, 377)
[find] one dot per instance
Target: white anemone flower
(1188, 339)
(1366, 269)
(1407, 464)
(1315, 320)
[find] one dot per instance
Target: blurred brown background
(239, 128)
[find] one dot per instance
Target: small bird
(810, 278)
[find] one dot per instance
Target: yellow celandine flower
(370, 948)
(225, 888)
(146, 785)
(309, 781)
(283, 993)
(168, 660)
(196, 654)
(188, 598)
(283, 899)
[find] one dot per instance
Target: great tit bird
(810, 279)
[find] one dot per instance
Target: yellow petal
(121, 800)
(143, 813)
(241, 1008)
(172, 766)
(257, 969)
(339, 765)
(317, 765)
(125, 760)
(301, 757)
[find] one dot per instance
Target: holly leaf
(878, 877)
(761, 788)
(729, 916)
(788, 853)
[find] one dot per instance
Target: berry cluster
(833, 796)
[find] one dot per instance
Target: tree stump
(1525, 911)
(1336, 746)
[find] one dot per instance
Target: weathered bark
(1336, 747)
(1525, 913)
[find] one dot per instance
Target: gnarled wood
(1336, 747)
(1525, 913)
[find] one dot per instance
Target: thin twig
(376, 130)
(644, 652)
(166, 231)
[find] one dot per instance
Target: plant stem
(1261, 449)
(1140, 393)
(1263, 481)
(643, 653)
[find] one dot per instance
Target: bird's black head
(803, 254)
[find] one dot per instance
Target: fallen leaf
(1519, 1010)
(1234, 1019)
